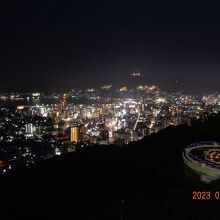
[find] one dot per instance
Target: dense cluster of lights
(93, 116)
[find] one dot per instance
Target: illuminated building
(36, 95)
(76, 134)
(208, 165)
(142, 107)
(56, 116)
(20, 107)
(42, 110)
(29, 129)
(63, 101)
(123, 89)
(90, 90)
(123, 123)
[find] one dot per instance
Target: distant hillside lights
(2, 97)
(136, 75)
(123, 89)
(106, 87)
(209, 100)
(36, 95)
(90, 90)
(147, 88)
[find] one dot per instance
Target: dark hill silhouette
(148, 175)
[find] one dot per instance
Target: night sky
(48, 45)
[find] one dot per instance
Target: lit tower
(29, 128)
(76, 134)
(142, 106)
(63, 101)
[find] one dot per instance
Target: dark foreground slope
(148, 175)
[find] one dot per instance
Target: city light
(121, 116)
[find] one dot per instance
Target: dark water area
(14, 103)
(42, 101)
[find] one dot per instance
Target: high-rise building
(76, 134)
(42, 110)
(142, 107)
(29, 128)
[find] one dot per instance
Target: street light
(122, 203)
